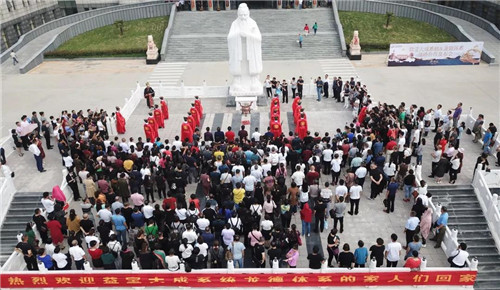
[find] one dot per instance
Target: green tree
(119, 25)
(388, 16)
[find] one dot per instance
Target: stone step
(469, 227)
(467, 221)
(482, 250)
(489, 268)
(487, 242)
(459, 205)
(490, 276)
(486, 285)
(454, 199)
(465, 212)
(475, 235)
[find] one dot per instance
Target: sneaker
(349, 212)
(308, 235)
(424, 245)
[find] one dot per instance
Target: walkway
(491, 43)
(30, 49)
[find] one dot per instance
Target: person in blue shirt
(390, 197)
(138, 218)
(45, 259)
(120, 226)
(440, 225)
(360, 255)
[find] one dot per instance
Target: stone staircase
(466, 215)
(20, 212)
(201, 36)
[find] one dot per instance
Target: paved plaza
(79, 85)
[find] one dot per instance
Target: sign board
(444, 53)
(76, 279)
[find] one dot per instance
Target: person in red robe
(186, 131)
(296, 113)
(154, 126)
(120, 122)
(195, 114)
(296, 101)
(148, 131)
(159, 117)
(164, 108)
(275, 127)
(191, 121)
(362, 115)
(197, 104)
(302, 127)
(275, 101)
(276, 114)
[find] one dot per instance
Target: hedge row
(95, 53)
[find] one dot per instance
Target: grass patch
(375, 37)
(107, 41)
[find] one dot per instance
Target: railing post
(324, 267)
(373, 263)
(423, 264)
(205, 88)
(193, 5)
(474, 263)
(276, 265)
(135, 266)
(182, 267)
(87, 266)
(230, 266)
(161, 89)
(454, 235)
(183, 91)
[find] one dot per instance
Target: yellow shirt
(217, 154)
(238, 195)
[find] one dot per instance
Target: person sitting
(414, 262)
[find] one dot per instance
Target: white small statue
(354, 47)
(152, 52)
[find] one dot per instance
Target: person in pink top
(293, 256)
(137, 199)
(255, 235)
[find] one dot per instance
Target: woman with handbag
(293, 256)
(333, 242)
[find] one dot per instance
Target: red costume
(275, 114)
(149, 132)
(186, 132)
(275, 128)
(55, 229)
(120, 123)
(198, 106)
(275, 102)
(164, 109)
(296, 114)
(154, 126)
(362, 115)
(295, 103)
(302, 128)
(191, 122)
(159, 118)
(195, 115)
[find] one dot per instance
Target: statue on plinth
(152, 54)
(354, 47)
(245, 55)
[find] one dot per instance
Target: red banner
(57, 279)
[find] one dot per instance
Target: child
(360, 255)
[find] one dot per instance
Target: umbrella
(27, 129)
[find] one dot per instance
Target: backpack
(235, 229)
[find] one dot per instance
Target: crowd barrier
(489, 202)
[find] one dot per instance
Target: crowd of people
(135, 205)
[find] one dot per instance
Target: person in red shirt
(195, 115)
(302, 127)
(276, 127)
(154, 125)
(413, 262)
(169, 202)
(159, 117)
(191, 121)
(276, 113)
(306, 217)
(197, 104)
(295, 103)
(229, 135)
(196, 201)
(164, 108)
(312, 175)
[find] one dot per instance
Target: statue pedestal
(152, 57)
(238, 101)
(354, 52)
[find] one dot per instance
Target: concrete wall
(87, 24)
(416, 13)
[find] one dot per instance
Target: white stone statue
(245, 55)
(152, 52)
(354, 47)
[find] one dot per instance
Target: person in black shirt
(28, 252)
(127, 257)
(86, 224)
(300, 86)
(40, 225)
(376, 178)
(274, 252)
(377, 252)
(259, 254)
(346, 258)
(319, 215)
(315, 258)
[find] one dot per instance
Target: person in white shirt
(361, 174)
(189, 234)
(105, 214)
(304, 194)
(227, 234)
(60, 259)
(256, 172)
(266, 167)
(355, 196)
(48, 203)
(249, 182)
(459, 256)
(33, 148)
(298, 176)
(326, 195)
(436, 156)
(327, 159)
(78, 255)
(438, 115)
(172, 261)
(393, 251)
(147, 210)
(335, 166)
(341, 190)
(411, 226)
(202, 223)
(256, 135)
(390, 169)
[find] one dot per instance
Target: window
(32, 24)
(4, 38)
(17, 28)
(43, 17)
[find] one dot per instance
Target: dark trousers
(326, 167)
(25, 141)
(269, 92)
(79, 264)
(390, 203)
(162, 192)
(436, 123)
(150, 194)
(39, 162)
(433, 168)
(453, 174)
(319, 223)
(392, 264)
(374, 190)
(331, 255)
(285, 96)
(47, 140)
(76, 191)
(293, 93)
(299, 90)
(354, 205)
(335, 177)
(31, 263)
(338, 219)
(325, 90)
(409, 236)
